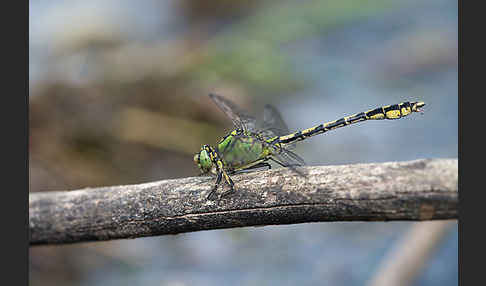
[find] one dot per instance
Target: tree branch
(412, 190)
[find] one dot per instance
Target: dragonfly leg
(218, 180)
(250, 168)
(265, 164)
(291, 166)
(284, 165)
(230, 183)
(259, 165)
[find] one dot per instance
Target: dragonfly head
(203, 159)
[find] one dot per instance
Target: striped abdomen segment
(395, 111)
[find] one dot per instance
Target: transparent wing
(272, 121)
(241, 119)
(273, 124)
(289, 158)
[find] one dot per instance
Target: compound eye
(205, 160)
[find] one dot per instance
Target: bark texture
(413, 190)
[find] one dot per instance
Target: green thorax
(240, 148)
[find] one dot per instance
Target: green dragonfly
(252, 144)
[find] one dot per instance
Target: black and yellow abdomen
(395, 111)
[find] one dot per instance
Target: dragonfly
(253, 143)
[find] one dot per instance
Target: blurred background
(118, 95)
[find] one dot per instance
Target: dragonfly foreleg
(221, 174)
(230, 183)
(215, 187)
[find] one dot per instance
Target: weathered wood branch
(412, 190)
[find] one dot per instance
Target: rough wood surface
(413, 190)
